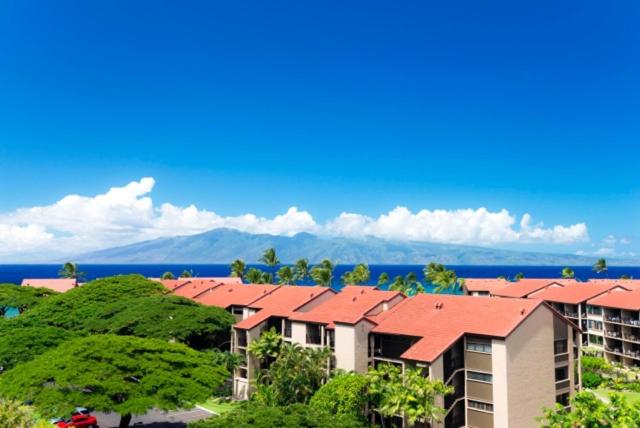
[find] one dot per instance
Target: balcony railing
(611, 333)
(613, 318)
(631, 321)
(571, 314)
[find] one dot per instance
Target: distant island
(223, 245)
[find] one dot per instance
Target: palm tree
(301, 270)
(568, 273)
(518, 276)
(186, 274)
(625, 276)
(321, 276)
(269, 257)
(432, 270)
(167, 275)
(600, 266)
(254, 276)
(267, 278)
(285, 275)
(238, 268)
(383, 278)
(358, 275)
(72, 271)
(444, 280)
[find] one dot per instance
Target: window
(479, 405)
(314, 336)
(562, 374)
(595, 325)
(594, 310)
(331, 339)
(563, 399)
(287, 328)
(242, 373)
(479, 346)
(595, 340)
(241, 336)
(481, 377)
(237, 310)
(560, 346)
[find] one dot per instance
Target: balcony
(571, 314)
(631, 321)
(613, 333)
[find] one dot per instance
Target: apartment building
(234, 297)
(505, 358)
(271, 311)
(191, 287)
(607, 310)
(614, 325)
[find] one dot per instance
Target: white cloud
(127, 214)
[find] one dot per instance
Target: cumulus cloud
(128, 214)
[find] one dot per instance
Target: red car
(81, 418)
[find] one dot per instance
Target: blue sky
(359, 107)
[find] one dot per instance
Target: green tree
(518, 276)
(267, 278)
(600, 266)
(625, 276)
(295, 375)
(301, 270)
(589, 411)
(411, 394)
(568, 273)
(360, 274)
(238, 268)
(168, 275)
(126, 375)
(321, 276)
(383, 278)
(269, 257)
(186, 274)
(20, 344)
(254, 276)
(267, 347)
(408, 285)
(344, 394)
(17, 415)
(442, 278)
(285, 275)
(21, 297)
(170, 318)
(71, 271)
(252, 415)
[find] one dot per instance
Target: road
(155, 419)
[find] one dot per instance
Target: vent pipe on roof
(522, 311)
(354, 298)
(439, 305)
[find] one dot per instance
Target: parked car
(80, 418)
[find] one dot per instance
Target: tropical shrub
(344, 394)
(591, 380)
(252, 415)
(16, 415)
(589, 411)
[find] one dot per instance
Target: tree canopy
(126, 375)
(21, 344)
(21, 297)
(252, 415)
(344, 394)
(358, 275)
(589, 411)
(71, 270)
(17, 415)
(568, 273)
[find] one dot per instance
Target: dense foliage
(589, 411)
(21, 297)
(293, 416)
(344, 394)
(17, 415)
(127, 375)
(21, 344)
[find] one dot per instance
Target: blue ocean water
(16, 273)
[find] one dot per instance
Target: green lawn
(219, 406)
(633, 397)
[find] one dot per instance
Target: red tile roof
(439, 320)
(194, 287)
(627, 283)
(281, 303)
(349, 306)
(618, 298)
(571, 293)
(227, 295)
(526, 286)
(485, 284)
(56, 284)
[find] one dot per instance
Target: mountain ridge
(225, 245)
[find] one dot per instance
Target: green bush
(252, 415)
(591, 380)
(345, 394)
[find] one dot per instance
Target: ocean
(17, 272)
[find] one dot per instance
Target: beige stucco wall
(299, 333)
(351, 348)
(530, 369)
(436, 372)
(500, 383)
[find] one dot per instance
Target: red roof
(439, 320)
(281, 303)
(618, 298)
(195, 286)
(526, 286)
(627, 283)
(571, 293)
(349, 306)
(485, 284)
(227, 295)
(56, 284)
